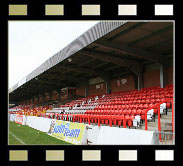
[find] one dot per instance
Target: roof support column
(59, 94)
(162, 75)
(86, 85)
(38, 99)
(138, 76)
(140, 81)
(108, 87)
(50, 95)
(43, 97)
(107, 82)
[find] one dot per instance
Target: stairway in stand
(166, 122)
(166, 127)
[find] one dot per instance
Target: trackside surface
(24, 135)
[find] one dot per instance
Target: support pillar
(162, 75)
(59, 94)
(86, 88)
(138, 78)
(107, 82)
(43, 97)
(86, 91)
(50, 95)
(108, 87)
(38, 99)
(34, 99)
(140, 81)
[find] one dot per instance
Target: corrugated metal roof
(94, 33)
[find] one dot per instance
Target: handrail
(158, 107)
(167, 100)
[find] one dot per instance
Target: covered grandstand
(117, 74)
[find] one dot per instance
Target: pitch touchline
(17, 138)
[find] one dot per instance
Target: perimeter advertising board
(20, 119)
(67, 131)
(12, 117)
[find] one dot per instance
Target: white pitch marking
(17, 138)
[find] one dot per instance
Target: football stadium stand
(119, 108)
(117, 74)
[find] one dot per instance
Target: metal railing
(167, 138)
(157, 106)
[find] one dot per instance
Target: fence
(157, 106)
(167, 138)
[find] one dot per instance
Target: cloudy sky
(31, 43)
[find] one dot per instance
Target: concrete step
(166, 128)
(166, 120)
(163, 124)
(169, 110)
(161, 120)
(166, 116)
(153, 128)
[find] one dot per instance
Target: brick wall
(63, 97)
(151, 78)
(80, 91)
(170, 75)
(129, 85)
(40, 99)
(47, 98)
(31, 101)
(54, 95)
(97, 91)
(35, 100)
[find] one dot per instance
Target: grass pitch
(24, 135)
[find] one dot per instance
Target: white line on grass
(17, 138)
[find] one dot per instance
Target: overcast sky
(31, 43)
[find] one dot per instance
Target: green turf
(13, 141)
(31, 136)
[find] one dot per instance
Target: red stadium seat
(143, 114)
(134, 111)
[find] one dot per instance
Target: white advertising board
(93, 133)
(12, 117)
(123, 136)
(39, 123)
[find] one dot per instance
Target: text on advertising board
(68, 131)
